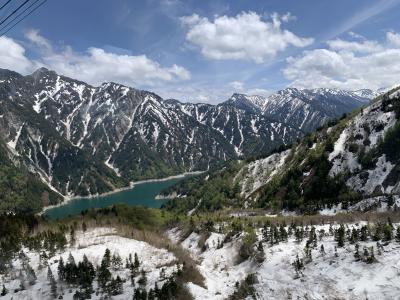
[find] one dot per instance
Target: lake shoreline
(132, 184)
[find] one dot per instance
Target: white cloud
(393, 38)
(98, 65)
(237, 85)
(259, 92)
(208, 93)
(94, 66)
(348, 65)
(243, 37)
(34, 36)
(12, 56)
(353, 46)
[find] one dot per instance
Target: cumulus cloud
(243, 37)
(365, 46)
(237, 85)
(348, 65)
(97, 65)
(240, 87)
(33, 36)
(208, 93)
(12, 56)
(393, 38)
(94, 66)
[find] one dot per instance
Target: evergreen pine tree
(61, 269)
(151, 295)
(71, 270)
(398, 234)
(136, 263)
(4, 291)
(116, 286)
(84, 227)
(378, 232)
(71, 259)
(298, 265)
(365, 254)
(387, 232)
(116, 262)
(21, 278)
(322, 250)
(52, 282)
(103, 275)
(340, 236)
(72, 236)
(143, 280)
(156, 290)
(283, 233)
(260, 247)
(371, 259)
(162, 273)
(107, 258)
(30, 275)
(354, 236)
(49, 273)
(364, 233)
(357, 252)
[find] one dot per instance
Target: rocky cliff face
(85, 140)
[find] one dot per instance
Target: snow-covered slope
(85, 140)
(331, 273)
(370, 94)
(249, 132)
(359, 154)
(305, 109)
(260, 172)
(265, 261)
(363, 133)
(342, 163)
(93, 245)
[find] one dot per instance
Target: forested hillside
(21, 191)
(86, 140)
(342, 163)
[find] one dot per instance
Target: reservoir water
(141, 194)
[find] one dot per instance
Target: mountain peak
(43, 70)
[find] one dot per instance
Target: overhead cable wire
(19, 21)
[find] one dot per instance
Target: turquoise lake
(141, 194)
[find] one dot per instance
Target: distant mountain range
(83, 140)
(349, 164)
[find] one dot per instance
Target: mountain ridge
(351, 163)
(85, 140)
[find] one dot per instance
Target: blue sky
(206, 50)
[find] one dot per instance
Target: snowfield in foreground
(93, 244)
(330, 275)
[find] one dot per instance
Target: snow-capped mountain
(305, 109)
(352, 163)
(83, 140)
(355, 159)
(248, 132)
(370, 94)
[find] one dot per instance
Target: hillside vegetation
(340, 164)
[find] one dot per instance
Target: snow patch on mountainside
(12, 144)
(365, 130)
(260, 172)
(218, 265)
